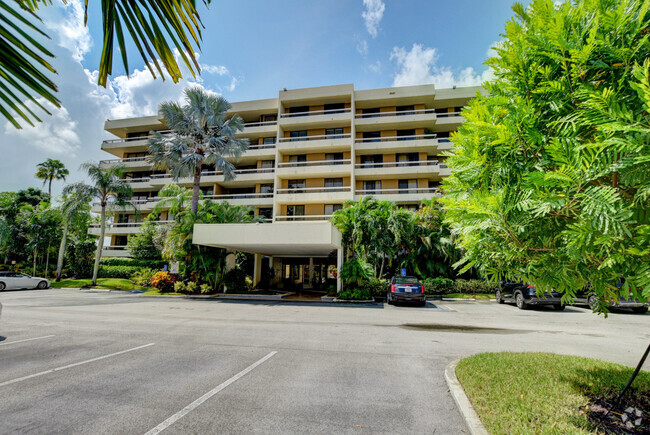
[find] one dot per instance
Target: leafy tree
(110, 189)
(32, 196)
(550, 174)
(13, 233)
(158, 30)
(202, 135)
(51, 170)
(174, 199)
(40, 225)
(80, 258)
(356, 270)
(142, 246)
(75, 210)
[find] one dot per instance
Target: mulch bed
(631, 416)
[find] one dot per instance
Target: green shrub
(331, 290)
(356, 270)
(374, 286)
(163, 281)
(118, 271)
(355, 295)
(142, 277)
(191, 287)
(205, 289)
(438, 286)
(150, 264)
(474, 286)
(180, 287)
(235, 280)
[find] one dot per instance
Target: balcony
(142, 142)
(120, 228)
(115, 251)
(315, 143)
(314, 195)
(423, 168)
(253, 199)
(317, 118)
(395, 119)
(129, 162)
(315, 168)
(260, 127)
(309, 217)
(416, 142)
(413, 194)
(248, 175)
(139, 183)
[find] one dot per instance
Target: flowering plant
(163, 281)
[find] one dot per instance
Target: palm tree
(202, 135)
(75, 202)
(174, 199)
(51, 170)
(108, 187)
(149, 23)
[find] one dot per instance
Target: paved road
(100, 362)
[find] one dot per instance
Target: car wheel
(521, 303)
(2, 286)
(498, 297)
(42, 285)
(592, 302)
(559, 307)
(640, 310)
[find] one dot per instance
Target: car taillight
(392, 288)
(422, 288)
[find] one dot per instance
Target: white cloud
(419, 66)
(372, 15)
(66, 24)
(375, 67)
(215, 69)
(362, 47)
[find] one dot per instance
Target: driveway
(114, 362)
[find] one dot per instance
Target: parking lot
(114, 362)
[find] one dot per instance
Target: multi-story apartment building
(311, 150)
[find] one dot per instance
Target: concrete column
(339, 265)
(257, 270)
(311, 270)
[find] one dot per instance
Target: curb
(472, 420)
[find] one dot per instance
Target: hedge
(130, 262)
(117, 271)
(444, 286)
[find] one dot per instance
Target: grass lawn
(102, 283)
(156, 292)
(468, 296)
(542, 392)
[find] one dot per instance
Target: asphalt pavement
(113, 362)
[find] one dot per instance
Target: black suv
(524, 295)
(406, 289)
(587, 297)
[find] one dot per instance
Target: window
(372, 186)
(297, 186)
(266, 188)
(295, 210)
(370, 113)
(298, 159)
(405, 110)
(267, 164)
(372, 136)
(408, 186)
(268, 118)
(407, 159)
(331, 208)
(297, 135)
(334, 108)
(132, 155)
(372, 161)
(334, 158)
(334, 182)
(268, 140)
(298, 111)
(206, 191)
(406, 134)
(334, 133)
(266, 212)
(434, 184)
(138, 134)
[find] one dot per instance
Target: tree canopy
(550, 180)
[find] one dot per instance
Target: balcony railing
(212, 173)
(125, 160)
(252, 195)
(114, 248)
(396, 113)
(315, 113)
(316, 137)
(315, 189)
(126, 224)
(448, 114)
(396, 138)
(320, 217)
(133, 139)
(406, 191)
(314, 163)
(259, 123)
(138, 180)
(399, 164)
(262, 146)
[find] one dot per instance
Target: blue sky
(251, 49)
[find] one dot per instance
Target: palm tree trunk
(196, 188)
(59, 261)
(49, 190)
(381, 269)
(34, 271)
(47, 258)
(100, 244)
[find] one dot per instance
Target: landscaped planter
(278, 296)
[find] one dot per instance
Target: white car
(16, 280)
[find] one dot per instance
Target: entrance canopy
(283, 239)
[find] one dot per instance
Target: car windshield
(406, 280)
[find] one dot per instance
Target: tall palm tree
(109, 188)
(75, 202)
(162, 32)
(51, 170)
(174, 199)
(202, 135)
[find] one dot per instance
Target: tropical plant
(174, 199)
(51, 170)
(355, 271)
(141, 246)
(75, 207)
(80, 257)
(109, 188)
(41, 230)
(202, 135)
(163, 281)
(142, 277)
(550, 176)
(149, 23)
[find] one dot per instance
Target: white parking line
(444, 307)
(180, 414)
(24, 378)
(27, 339)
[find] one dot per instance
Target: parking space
(120, 363)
